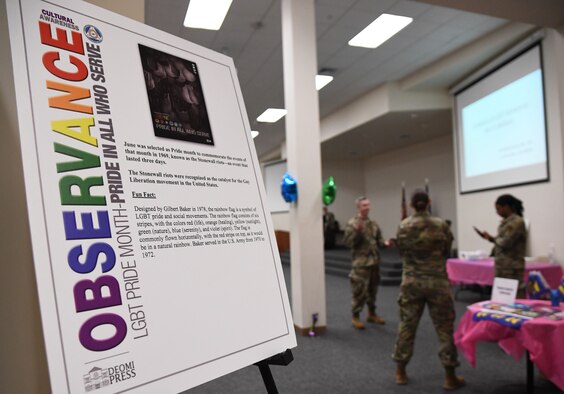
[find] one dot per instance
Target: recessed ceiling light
(322, 80)
(205, 14)
(380, 30)
(271, 115)
(254, 133)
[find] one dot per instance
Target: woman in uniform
(424, 242)
(510, 241)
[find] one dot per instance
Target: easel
(283, 358)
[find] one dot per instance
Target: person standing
(510, 241)
(330, 228)
(364, 238)
(424, 242)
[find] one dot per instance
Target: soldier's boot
(401, 374)
(452, 382)
(374, 318)
(357, 323)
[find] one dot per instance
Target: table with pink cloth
(542, 337)
(481, 272)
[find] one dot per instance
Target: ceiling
(251, 35)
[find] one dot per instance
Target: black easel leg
(530, 375)
(267, 378)
(284, 358)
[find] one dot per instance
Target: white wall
(379, 178)
(349, 179)
(543, 202)
(281, 221)
(384, 174)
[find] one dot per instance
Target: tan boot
(401, 374)
(374, 318)
(452, 382)
(357, 323)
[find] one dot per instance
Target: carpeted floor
(346, 360)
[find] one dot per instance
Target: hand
(487, 236)
(359, 226)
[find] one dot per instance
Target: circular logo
(93, 34)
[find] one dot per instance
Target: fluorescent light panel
(271, 115)
(206, 14)
(380, 31)
(322, 80)
(254, 133)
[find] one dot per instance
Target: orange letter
(61, 41)
(65, 101)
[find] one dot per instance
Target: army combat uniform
(509, 250)
(424, 242)
(365, 271)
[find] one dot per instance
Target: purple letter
(99, 345)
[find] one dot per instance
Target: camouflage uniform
(509, 250)
(424, 242)
(365, 271)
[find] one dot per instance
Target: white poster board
(155, 259)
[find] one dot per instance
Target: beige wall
(134, 9)
(23, 364)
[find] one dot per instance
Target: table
(481, 272)
(542, 338)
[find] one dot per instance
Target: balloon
(289, 188)
(314, 317)
(329, 191)
(539, 289)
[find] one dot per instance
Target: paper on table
(504, 290)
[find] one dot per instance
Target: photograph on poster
(175, 97)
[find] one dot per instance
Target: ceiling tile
(409, 8)
(438, 14)
(252, 36)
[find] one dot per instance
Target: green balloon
(329, 191)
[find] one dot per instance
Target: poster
(154, 252)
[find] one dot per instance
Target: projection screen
(501, 128)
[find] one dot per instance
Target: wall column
(304, 163)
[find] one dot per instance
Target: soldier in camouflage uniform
(510, 241)
(363, 237)
(424, 242)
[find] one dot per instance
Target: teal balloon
(289, 188)
(329, 191)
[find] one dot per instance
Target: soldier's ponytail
(420, 200)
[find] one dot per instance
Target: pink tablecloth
(481, 272)
(542, 337)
